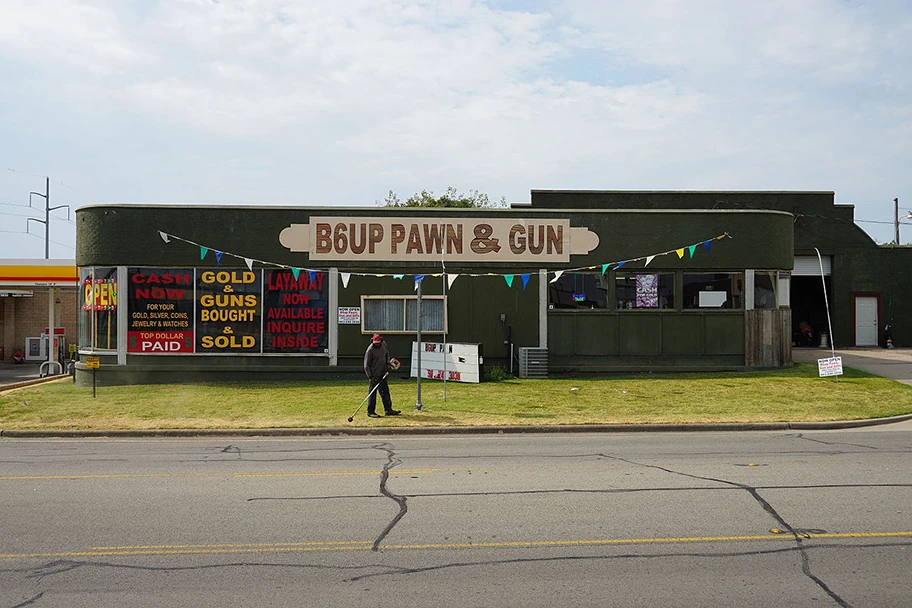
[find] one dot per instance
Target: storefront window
(765, 289)
(399, 314)
(98, 308)
(644, 290)
(580, 290)
(714, 290)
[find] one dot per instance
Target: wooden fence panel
(768, 337)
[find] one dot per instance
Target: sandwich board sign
(447, 361)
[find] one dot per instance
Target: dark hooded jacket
(376, 358)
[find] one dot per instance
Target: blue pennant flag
(620, 264)
(525, 280)
(707, 244)
(218, 257)
(312, 275)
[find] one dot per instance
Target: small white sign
(349, 315)
(831, 366)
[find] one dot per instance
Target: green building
(593, 281)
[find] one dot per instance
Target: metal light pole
(418, 361)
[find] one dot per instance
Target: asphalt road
(819, 518)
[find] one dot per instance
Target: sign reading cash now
(433, 239)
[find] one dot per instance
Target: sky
(338, 102)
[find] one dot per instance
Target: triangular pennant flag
(707, 244)
(395, 276)
(525, 279)
(557, 275)
(605, 267)
(680, 252)
(249, 263)
(649, 258)
(721, 236)
(345, 277)
(203, 252)
(418, 279)
(451, 278)
(218, 258)
(621, 264)
(509, 279)
(295, 272)
(164, 236)
(691, 249)
(312, 275)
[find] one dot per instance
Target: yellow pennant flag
(680, 253)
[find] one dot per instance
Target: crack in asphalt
(854, 445)
(797, 535)
(232, 449)
(29, 601)
(402, 501)
(667, 555)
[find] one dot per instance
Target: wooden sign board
(450, 361)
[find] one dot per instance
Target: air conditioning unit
(533, 362)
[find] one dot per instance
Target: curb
(26, 383)
(453, 430)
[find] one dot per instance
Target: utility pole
(896, 220)
(52, 354)
(47, 214)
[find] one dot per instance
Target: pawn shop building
(593, 282)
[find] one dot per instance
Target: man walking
(376, 365)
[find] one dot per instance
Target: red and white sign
(454, 362)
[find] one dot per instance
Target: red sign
(160, 341)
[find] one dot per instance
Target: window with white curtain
(399, 314)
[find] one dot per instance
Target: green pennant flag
(605, 267)
(509, 279)
(295, 272)
(691, 249)
(203, 252)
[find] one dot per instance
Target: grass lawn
(795, 394)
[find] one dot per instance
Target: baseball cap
(376, 338)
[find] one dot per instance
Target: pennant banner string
(451, 277)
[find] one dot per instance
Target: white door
(865, 321)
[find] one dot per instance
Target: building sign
(295, 311)
(349, 315)
(647, 291)
(160, 310)
(228, 311)
(480, 240)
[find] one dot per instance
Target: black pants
(384, 391)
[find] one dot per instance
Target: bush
(497, 374)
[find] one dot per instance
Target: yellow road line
(393, 472)
(203, 549)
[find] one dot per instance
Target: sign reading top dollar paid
(228, 311)
(160, 310)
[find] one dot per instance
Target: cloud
(337, 102)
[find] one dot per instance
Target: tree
(450, 198)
